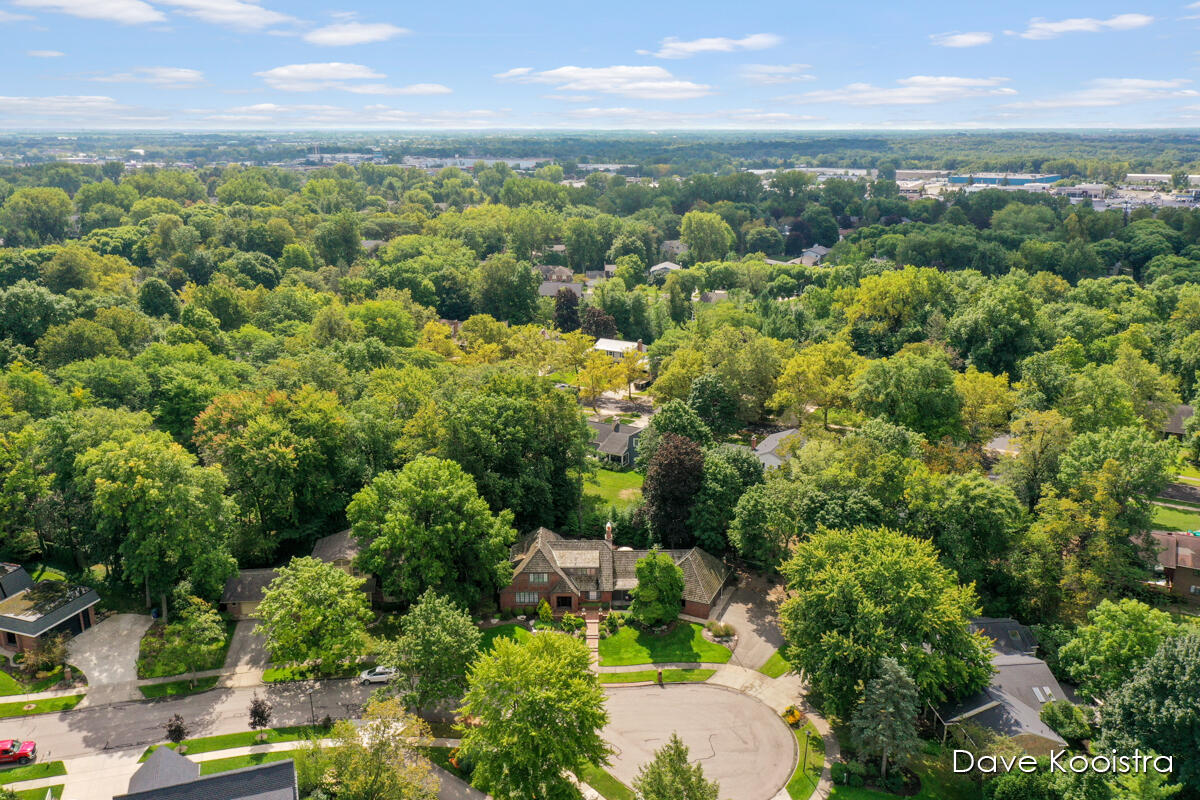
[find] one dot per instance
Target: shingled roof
(571, 561)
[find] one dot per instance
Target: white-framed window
(527, 598)
(593, 595)
(539, 577)
(1194, 589)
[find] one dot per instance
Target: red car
(12, 751)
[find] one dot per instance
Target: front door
(564, 601)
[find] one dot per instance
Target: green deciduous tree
(426, 527)
(437, 643)
(915, 389)
(540, 711)
(1118, 639)
(707, 236)
(314, 612)
(863, 594)
(659, 591)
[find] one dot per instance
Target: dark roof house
(615, 441)
(29, 610)
(1174, 426)
(167, 775)
(552, 288)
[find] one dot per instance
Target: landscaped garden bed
(155, 661)
(177, 688)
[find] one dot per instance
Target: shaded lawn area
(40, 794)
(509, 630)
(31, 772)
(776, 666)
(1172, 519)
(938, 781)
(177, 688)
(46, 706)
(151, 664)
(305, 672)
(805, 780)
(209, 744)
(240, 762)
(683, 643)
(16, 682)
(441, 757)
(619, 489)
(604, 783)
(669, 676)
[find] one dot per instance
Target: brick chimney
(608, 528)
(754, 441)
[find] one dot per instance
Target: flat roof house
(167, 775)
(31, 610)
(568, 572)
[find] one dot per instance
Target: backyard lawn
(1173, 519)
(805, 780)
(683, 643)
(619, 489)
(509, 630)
(669, 676)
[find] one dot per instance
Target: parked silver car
(376, 675)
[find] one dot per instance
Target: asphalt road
(88, 730)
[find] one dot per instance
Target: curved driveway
(739, 741)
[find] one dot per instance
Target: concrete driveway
(107, 652)
(247, 657)
(741, 743)
(754, 615)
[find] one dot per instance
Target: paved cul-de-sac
(741, 743)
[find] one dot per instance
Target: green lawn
(177, 688)
(152, 665)
(209, 744)
(509, 630)
(805, 780)
(619, 489)
(775, 666)
(44, 572)
(303, 672)
(609, 787)
(40, 794)
(1189, 470)
(47, 706)
(18, 683)
(685, 642)
(240, 762)
(669, 676)
(1172, 519)
(32, 772)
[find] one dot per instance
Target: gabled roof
(44, 605)
(164, 767)
(614, 345)
(341, 546)
(13, 579)
(551, 288)
(1179, 418)
(248, 585)
(613, 440)
(1177, 549)
(1008, 635)
(664, 266)
(273, 781)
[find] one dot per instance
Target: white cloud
(340, 76)
(128, 12)
(244, 14)
(1041, 28)
(348, 33)
(167, 77)
(44, 53)
(956, 39)
(773, 74)
(917, 90)
(672, 47)
(646, 83)
(8, 16)
(1115, 92)
(626, 117)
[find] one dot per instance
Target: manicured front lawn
(151, 663)
(776, 666)
(683, 643)
(209, 744)
(804, 779)
(46, 706)
(177, 688)
(609, 787)
(1172, 519)
(619, 489)
(17, 682)
(40, 794)
(509, 630)
(240, 762)
(32, 772)
(669, 676)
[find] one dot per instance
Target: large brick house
(1179, 563)
(569, 572)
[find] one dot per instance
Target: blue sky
(265, 64)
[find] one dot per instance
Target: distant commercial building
(1004, 178)
(921, 174)
(1148, 178)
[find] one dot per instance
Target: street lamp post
(805, 761)
(312, 709)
